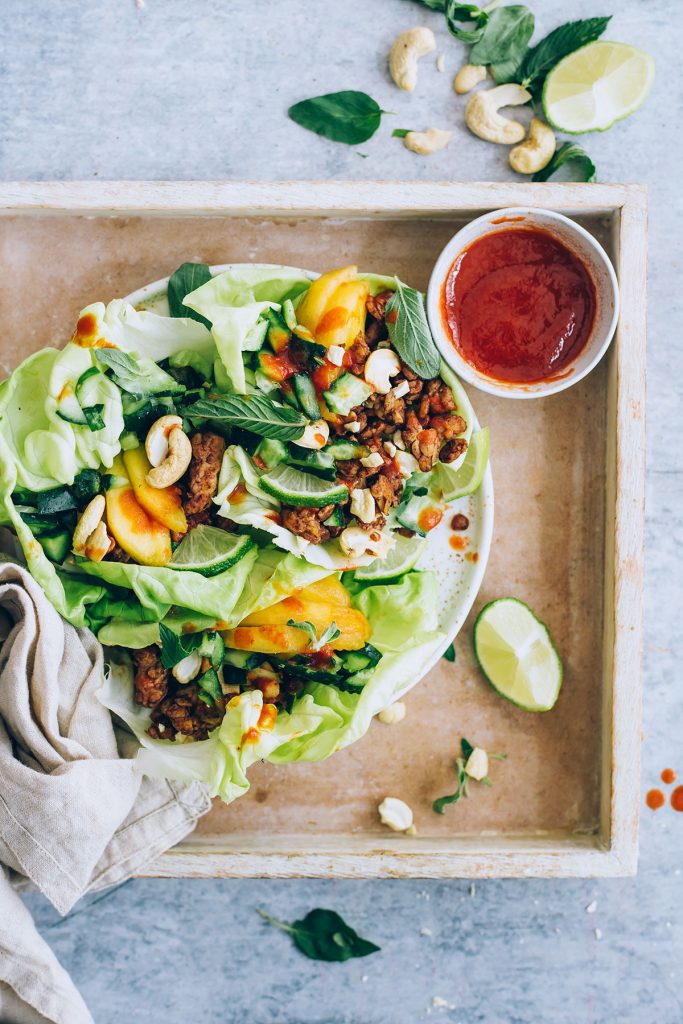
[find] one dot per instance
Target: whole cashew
(156, 442)
(536, 151)
(405, 53)
(98, 544)
(468, 76)
(175, 463)
(427, 142)
(482, 117)
(88, 523)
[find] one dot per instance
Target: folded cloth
(75, 813)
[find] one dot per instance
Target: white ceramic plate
(459, 577)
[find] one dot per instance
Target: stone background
(180, 89)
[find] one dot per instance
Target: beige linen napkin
(75, 814)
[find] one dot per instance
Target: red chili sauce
(518, 305)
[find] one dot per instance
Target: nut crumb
(427, 932)
(441, 62)
(592, 907)
(442, 1004)
(598, 934)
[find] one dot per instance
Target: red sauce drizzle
(429, 518)
(458, 543)
(677, 798)
(518, 305)
(655, 799)
(668, 776)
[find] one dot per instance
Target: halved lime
(597, 85)
(468, 477)
(400, 558)
(517, 655)
(208, 550)
(297, 488)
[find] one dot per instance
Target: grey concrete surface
(199, 89)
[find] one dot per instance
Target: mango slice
(163, 503)
(317, 299)
(147, 541)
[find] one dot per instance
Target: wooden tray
(569, 476)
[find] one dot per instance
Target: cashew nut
(372, 461)
(482, 117)
(88, 523)
(393, 714)
(98, 543)
(405, 53)
(407, 464)
(427, 142)
(363, 504)
(381, 364)
(467, 77)
(536, 151)
(356, 542)
(176, 462)
(156, 442)
(315, 435)
(477, 766)
(395, 813)
(187, 668)
(335, 354)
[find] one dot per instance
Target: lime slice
(208, 550)
(297, 488)
(516, 654)
(400, 558)
(457, 483)
(597, 85)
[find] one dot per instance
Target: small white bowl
(577, 240)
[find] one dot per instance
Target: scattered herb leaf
(449, 653)
(257, 413)
(93, 416)
(400, 133)
(542, 57)
(569, 152)
(466, 749)
(505, 37)
(184, 280)
(131, 376)
(317, 642)
(458, 13)
(324, 935)
(175, 647)
(348, 116)
(434, 5)
(409, 331)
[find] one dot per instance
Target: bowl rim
(448, 352)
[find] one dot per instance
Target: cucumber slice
(272, 452)
(56, 545)
(58, 499)
(209, 551)
(264, 383)
(296, 488)
(342, 450)
(212, 647)
(86, 485)
(317, 461)
(209, 685)
(408, 515)
(68, 409)
(288, 314)
(307, 398)
(346, 393)
(278, 332)
(517, 655)
(236, 659)
(335, 519)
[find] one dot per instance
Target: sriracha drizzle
(518, 305)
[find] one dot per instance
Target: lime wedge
(400, 558)
(516, 654)
(597, 85)
(457, 483)
(297, 488)
(208, 550)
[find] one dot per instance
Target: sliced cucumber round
(293, 487)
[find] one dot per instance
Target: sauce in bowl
(519, 305)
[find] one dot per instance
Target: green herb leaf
(317, 642)
(184, 280)
(569, 152)
(505, 37)
(457, 13)
(93, 416)
(542, 57)
(434, 5)
(400, 133)
(134, 378)
(440, 805)
(174, 647)
(324, 935)
(449, 653)
(409, 331)
(348, 116)
(466, 748)
(256, 413)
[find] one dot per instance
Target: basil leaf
(434, 5)
(256, 413)
(449, 653)
(505, 37)
(324, 935)
(174, 647)
(400, 133)
(348, 116)
(569, 152)
(457, 12)
(184, 280)
(93, 416)
(466, 748)
(562, 41)
(409, 331)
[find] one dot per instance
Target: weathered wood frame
(614, 850)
